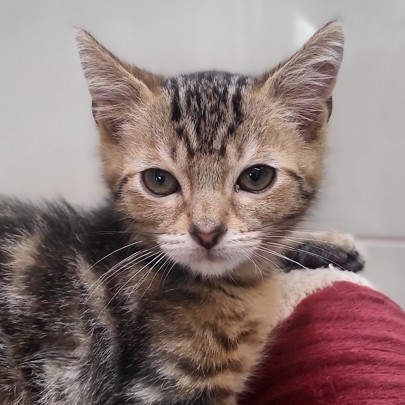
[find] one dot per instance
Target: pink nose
(208, 238)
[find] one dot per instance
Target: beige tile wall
(48, 141)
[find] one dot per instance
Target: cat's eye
(160, 182)
(256, 178)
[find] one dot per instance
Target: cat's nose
(207, 238)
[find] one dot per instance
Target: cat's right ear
(115, 87)
(304, 83)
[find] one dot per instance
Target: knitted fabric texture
(344, 344)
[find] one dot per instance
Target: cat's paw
(321, 249)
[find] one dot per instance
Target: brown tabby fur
(121, 305)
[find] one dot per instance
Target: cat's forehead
(206, 108)
(208, 84)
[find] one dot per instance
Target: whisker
(248, 256)
(267, 259)
(146, 274)
(298, 239)
(105, 233)
(107, 256)
(121, 266)
(156, 272)
(132, 278)
(301, 240)
(297, 228)
(295, 249)
(272, 252)
(111, 273)
(167, 273)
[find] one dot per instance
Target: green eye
(256, 178)
(160, 182)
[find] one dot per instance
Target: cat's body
(71, 333)
(165, 295)
(70, 336)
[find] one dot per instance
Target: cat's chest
(216, 335)
(227, 306)
(244, 315)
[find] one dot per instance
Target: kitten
(165, 294)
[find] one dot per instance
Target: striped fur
(120, 305)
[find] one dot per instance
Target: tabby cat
(165, 294)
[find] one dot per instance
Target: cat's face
(213, 167)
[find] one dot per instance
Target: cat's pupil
(255, 174)
(160, 177)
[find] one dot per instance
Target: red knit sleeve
(342, 345)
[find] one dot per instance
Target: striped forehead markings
(175, 102)
(210, 101)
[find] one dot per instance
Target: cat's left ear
(116, 88)
(304, 83)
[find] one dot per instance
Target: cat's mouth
(211, 256)
(207, 263)
(215, 262)
(211, 263)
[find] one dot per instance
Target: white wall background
(48, 139)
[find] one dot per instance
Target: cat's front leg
(321, 249)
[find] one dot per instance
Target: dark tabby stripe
(212, 103)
